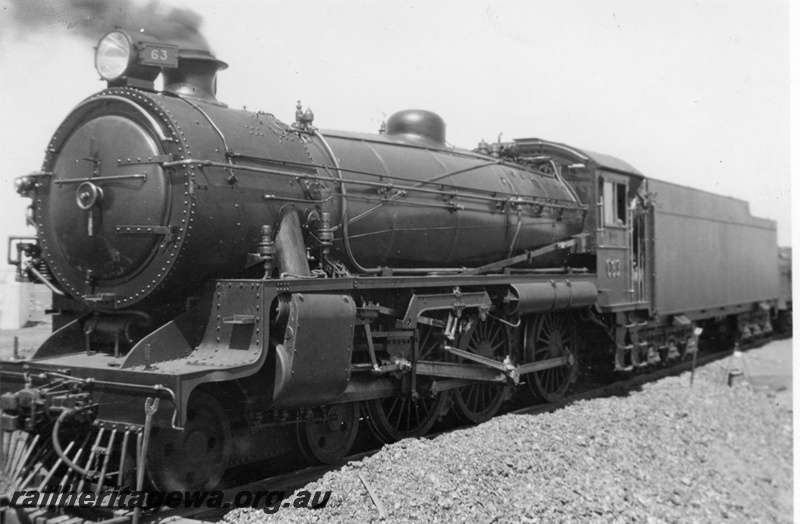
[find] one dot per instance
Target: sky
(692, 92)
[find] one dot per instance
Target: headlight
(114, 55)
(133, 60)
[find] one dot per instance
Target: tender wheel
(551, 336)
(196, 458)
(480, 401)
(329, 435)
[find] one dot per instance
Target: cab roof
(601, 160)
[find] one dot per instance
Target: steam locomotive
(230, 288)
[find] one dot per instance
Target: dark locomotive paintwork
(271, 282)
(725, 237)
(671, 256)
(213, 176)
(688, 225)
(478, 224)
(200, 224)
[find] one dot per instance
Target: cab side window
(614, 203)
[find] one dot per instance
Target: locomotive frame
(276, 284)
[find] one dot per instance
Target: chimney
(195, 77)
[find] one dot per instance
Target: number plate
(159, 55)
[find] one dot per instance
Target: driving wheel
(480, 401)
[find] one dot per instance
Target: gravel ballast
(665, 452)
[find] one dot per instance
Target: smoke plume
(93, 18)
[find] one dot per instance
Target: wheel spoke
(553, 335)
(408, 413)
(391, 411)
(480, 401)
(496, 332)
(407, 418)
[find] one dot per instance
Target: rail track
(291, 481)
